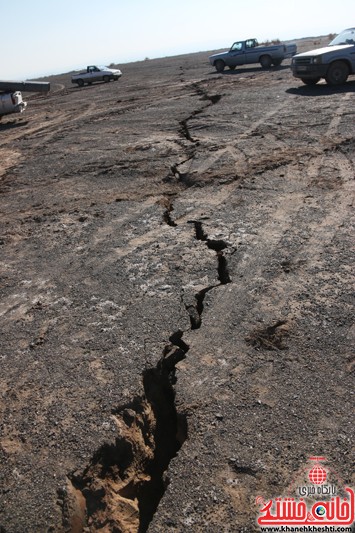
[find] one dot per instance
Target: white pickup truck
(333, 62)
(249, 52)
(94, 73)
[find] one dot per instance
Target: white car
(334, 62)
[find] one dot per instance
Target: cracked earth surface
(176, 297)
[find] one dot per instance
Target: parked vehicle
(94, 73)
(248, 52)
(11, 97)
(334, 62)
(11, 103)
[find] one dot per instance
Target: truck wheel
(106, 79)
(219, 65)
(80, 83)
(265, 61)
(277, 62)
(310, 81)
(338, 73)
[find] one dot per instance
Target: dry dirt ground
(176, 297)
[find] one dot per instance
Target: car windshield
(345, 37)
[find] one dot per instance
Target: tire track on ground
(338, 115)
(47, 129)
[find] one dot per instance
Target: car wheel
(277, 62)
(219, 65)
(265, 61)
(80, 83)
(338, 73)
(310, 81)
(106, 79)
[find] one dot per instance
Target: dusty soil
(176, 297)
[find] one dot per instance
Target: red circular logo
(317, 475)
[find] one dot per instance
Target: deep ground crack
(169, 207)
(195, 309)
(185, 132)
(218, 245)
(124, 482)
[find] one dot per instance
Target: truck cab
(242, 46)
(94, 73)
(239, 50)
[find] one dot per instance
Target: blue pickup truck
(249, 52)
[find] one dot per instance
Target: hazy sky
(42, 37)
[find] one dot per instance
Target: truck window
(237, 47)
(250, 44)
